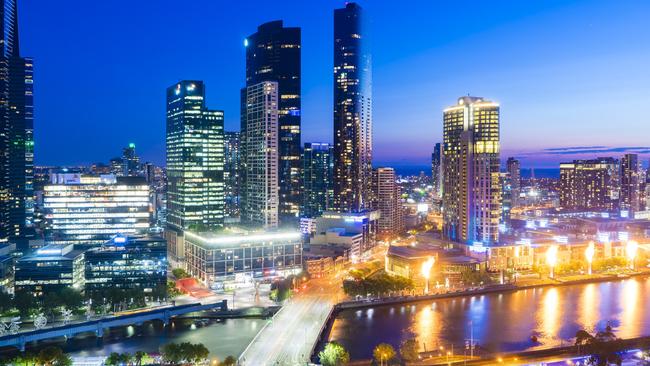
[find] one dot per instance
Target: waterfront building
(232, 174)
(128, 263)
(195, 165)
(89, 210)
(259, 196)
(507, 196)
(317, 170)
(436, 170)
(352, 111)
(351, 233)
(48, 269)
(513, 167)
(387, 202)
(224, 259)
(589, 185)
(471, 188)
(630, 198)
(16, 133)
(273, 54)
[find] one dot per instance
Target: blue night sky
(572, 77)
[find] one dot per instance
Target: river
(500, 322)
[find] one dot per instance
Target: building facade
(513, 168)
(317, 187)
(127, 263)
(352, 111)
(436, 170)
(195, 165)
(260, 193)
(589, 185)
(273, 54)
(16, 133)
(220, 260)
(89, 210)
(232, 174)
(630, 198)
(471, 187)
(50, 269)
(387, 202)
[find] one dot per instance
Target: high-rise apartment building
(273, 54)
(352, 111)
(387, 201)
(87, 211)
(16, 133)
(471, 188)
(259, 143)
(195, 163)
(436, 170)
(130, 161)
(232, 174)
(318, 170)
(630, 198)
(514, 171)
(589, 184)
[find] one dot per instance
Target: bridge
(19, 340)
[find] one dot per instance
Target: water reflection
(502, 322)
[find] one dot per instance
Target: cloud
(596, 150)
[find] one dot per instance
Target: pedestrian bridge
(19, 340)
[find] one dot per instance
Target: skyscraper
(195, 162)
(471, 188)
(589, 184)
(436, 172)
(259, 204)
(630, 184)
(273, 54)
(16, 132)
(317, 191)
(387, 201)
(232, 173)
(352, 111)
(514, 171)
(130, 161)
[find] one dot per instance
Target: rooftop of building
(53, 252)
(232, 236)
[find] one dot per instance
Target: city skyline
(553, 85)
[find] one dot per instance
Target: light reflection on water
(501, 322)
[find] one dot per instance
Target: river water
(501, 322)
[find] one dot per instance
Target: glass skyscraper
(232, 173)
(318, 170)
(352, 111)
(273, 54)
(16, 133)
(436, 170)
(195, 163)
(471, 185)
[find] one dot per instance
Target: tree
(71, 298)
(384, 352)
(409, 350)
(5, 302)
(113, 359)
(604, 347)
(53, 356)
(26, 359)
(171, 353)
(24, 302)
(229, 361)
(138, 356)
(334, 354)
(180, 273)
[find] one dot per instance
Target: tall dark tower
(17, 129)
(273, 54)
(352, 112)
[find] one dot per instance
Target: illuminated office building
(219, 259)
(195, 165)
(232, 175)
(589, 185)
(89, 210)
(352, 111)
(128, 263)
(630, 199)
(317, 192)
(130, 161)
(436, 170)
(16, 133)
(513, 168)
(471, 187)
(387, 202)
(50, 269)
(273, 54)
(259, 195)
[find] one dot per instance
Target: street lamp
(426, 272)
(551, 259)
(630, 250)
(589, 254)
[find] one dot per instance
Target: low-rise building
(230, 258)
(50, 268)
(353, 232)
